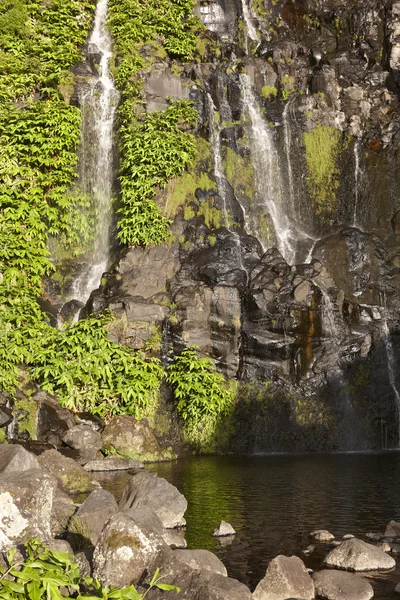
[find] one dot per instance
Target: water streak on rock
(98, 106)
(251, 30)
(391, 369)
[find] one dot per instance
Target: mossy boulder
(71, 477)
(129, 438)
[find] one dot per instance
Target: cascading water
(268, 178)
(251, 30)
(215, 132)
(391, 368)
(98, 105)
(359, 180)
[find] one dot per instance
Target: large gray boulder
(133, 439)
(148, 521)
(202, 560)
(146, 489)
(26, 500)
(338, 585)
(15, 458)
(92, 515)
(124, 551)
(85, 438)
(286, 577)
(357, 555)
(63, 509)
(72, 478)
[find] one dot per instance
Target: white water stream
(268, 177)
(391, 369)
(247, 17)
(98, 106)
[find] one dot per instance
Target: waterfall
(268, 178)
(98, 105)
(359, 176)
(215, 140)
(391, 369)
(251, 30)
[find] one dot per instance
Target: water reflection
(274, 502)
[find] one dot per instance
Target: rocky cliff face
(284, 263)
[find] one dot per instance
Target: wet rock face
(288, 274)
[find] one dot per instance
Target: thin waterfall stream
(98, 105)
(268, 177)
(251, 30)
(391, 363)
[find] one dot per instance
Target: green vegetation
(202, 394)
(288, 86)
(153, 148)
(323, 147)
(269, 91)
(240, 173)
(47, 574)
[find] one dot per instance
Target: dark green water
(274, 502)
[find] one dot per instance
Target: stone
(392, 529)
(124, 552)
(357, 555)
(133, 439)
(84, 558)
(146, 489)
(202, 559)
(84, 438)
(72, 478)
(62, 511)
(375, 537)
(385, 546)
(6, 416)
(338, 585)
(348, 536)
(14, 458)
(53, 421)
(302, 292)
(286, 577)
(223, 529)
(148, 521)
(212, 586)
(394, 548)
(113, 463)
(92, 515)
(26, 500)
(322, 535)
(309, 550)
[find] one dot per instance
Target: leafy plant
(202, 394)
(47, 574)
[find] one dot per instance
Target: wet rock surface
(357, 555)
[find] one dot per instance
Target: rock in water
(113, 463)
(202, 560)
(337, 585)
(224, 529)
(286, 577)
(356, 555)
(392, 529)
(322, 535)
(145, 489)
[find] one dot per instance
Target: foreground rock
(286, 577)
(223, 530)
(93, 514)
(202, 560)
(148, 521)
(337, 585)
(357, 555)
(72, 478)
(86, 439)
(146, 489)
(26, 500)
(392, 529)
(15, 458)
(124, 552)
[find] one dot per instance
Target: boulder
(322, 535)
(113, 463)
(146, 489)
(72, 478)
(133, 439)
(212, 586)
(14, 458)
(26, 500)
(63, 509)
(357, 555)
(92, 515)
(202, 560)
(148, 521)
(224, 529)
(6, 416)
(286, 577)
(85, 438)
(124, 551)
(338, 585)
(392, 529)
(53, 421)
